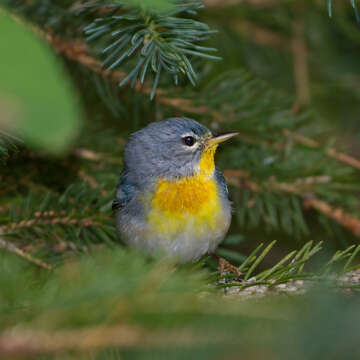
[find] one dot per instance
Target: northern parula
(171, 198)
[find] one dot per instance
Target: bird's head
(173, 148)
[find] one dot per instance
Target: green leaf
(37, 101)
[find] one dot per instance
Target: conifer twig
(91, 181)
(52, 220)
(87, 154)
(300, 187)
(14, 249)
(76, 50)
(342, 157)
(347, 220)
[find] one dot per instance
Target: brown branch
(14, 249)
(342, 157)
(240, 178)
(48, 217)
(91, 181)
(347, 220)
(87, 154)
(54, 220)
(302, 188)
(76, 50)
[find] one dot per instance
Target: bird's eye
(189, 140)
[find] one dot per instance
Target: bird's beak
(220, 138)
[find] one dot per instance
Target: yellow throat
(191, 199)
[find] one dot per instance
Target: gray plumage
(158, 152)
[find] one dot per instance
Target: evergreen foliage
(162, 40)
(71, 290)
(7, 145)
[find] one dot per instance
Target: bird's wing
(124, 193)
(221, 181)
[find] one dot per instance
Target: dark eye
(189, 140)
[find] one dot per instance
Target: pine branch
(162, 41)
(91, 181)
(288, 275)
(73, 221)
(303, 187)
(12, 248)
(76, 50)
(53, 219)
(347, 220)
(8, 143)
(92, 155)
(342, 157)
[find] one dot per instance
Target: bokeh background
(282, 73)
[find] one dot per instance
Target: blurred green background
(287, 81)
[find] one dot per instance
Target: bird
(171, 199)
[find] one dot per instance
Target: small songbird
(171, 198)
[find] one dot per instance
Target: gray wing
(221, 182)
(124, 193)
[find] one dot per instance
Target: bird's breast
(190, 204)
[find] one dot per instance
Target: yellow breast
(188, 202)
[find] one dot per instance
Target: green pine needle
(142, 36)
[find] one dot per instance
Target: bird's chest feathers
(190, 204)
(191, 196)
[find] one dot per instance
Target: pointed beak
(220, 138)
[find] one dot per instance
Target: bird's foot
(225, 267)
